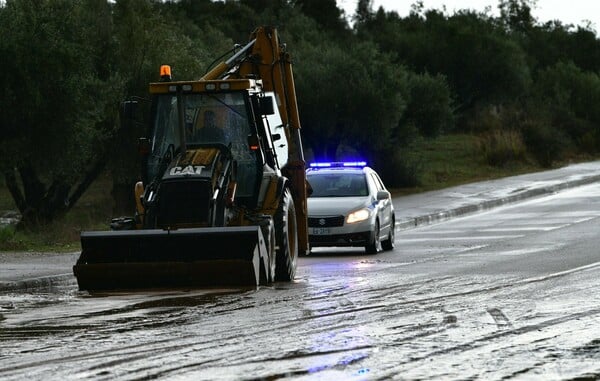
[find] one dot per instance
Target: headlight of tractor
(357, 216)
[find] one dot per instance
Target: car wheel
(374, 246)
(389, 243)
(286, 236)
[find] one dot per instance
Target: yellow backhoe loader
(222, 201)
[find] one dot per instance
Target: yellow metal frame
(273, 67)
(204, 86)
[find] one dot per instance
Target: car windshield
(337, 184)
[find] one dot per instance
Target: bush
(500, 147)
(482, 119)
(570, 97)
(430, 108)
(400, 170)
(590, 141)
(9, 239)
(545, 142)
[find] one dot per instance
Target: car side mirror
(383, 195)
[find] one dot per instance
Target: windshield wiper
(226, 105)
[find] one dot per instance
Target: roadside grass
(446, 161)
(457, 159)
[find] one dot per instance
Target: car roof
(337, 170)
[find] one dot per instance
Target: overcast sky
(575, 12)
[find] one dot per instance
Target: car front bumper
(359, 234)
(348, 239)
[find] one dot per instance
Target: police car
(349, 206)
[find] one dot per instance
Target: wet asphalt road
(510, 293)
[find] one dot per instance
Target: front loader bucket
(184, 258)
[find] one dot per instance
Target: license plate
(320, 231)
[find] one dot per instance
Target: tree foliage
(54, 102)
(365, 103)
(480, 62)
(365, 89)
(430, 109)
(570, 97)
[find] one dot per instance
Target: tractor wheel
(267, 269)
(286, 238)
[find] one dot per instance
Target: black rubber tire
(389, 243)
(374, 246)
(267, 270)
(286, 237)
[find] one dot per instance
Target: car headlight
(357, 216)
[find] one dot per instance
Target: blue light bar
(320, 165)
(355, 164)
(329, 164)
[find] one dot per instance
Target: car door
(384, 206)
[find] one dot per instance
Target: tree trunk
(39, 204)
(33, 188)
(15, 191)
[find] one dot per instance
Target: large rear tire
(267, 269)
(286, 237)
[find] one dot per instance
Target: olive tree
(348, 93)
(54, 106)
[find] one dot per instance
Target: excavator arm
(265, 58)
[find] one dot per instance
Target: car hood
(330, 206)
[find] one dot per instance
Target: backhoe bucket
(184, 258)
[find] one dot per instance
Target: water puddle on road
(39, 313)
(360, 327)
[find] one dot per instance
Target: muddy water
(367, 325)
(506, 295)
